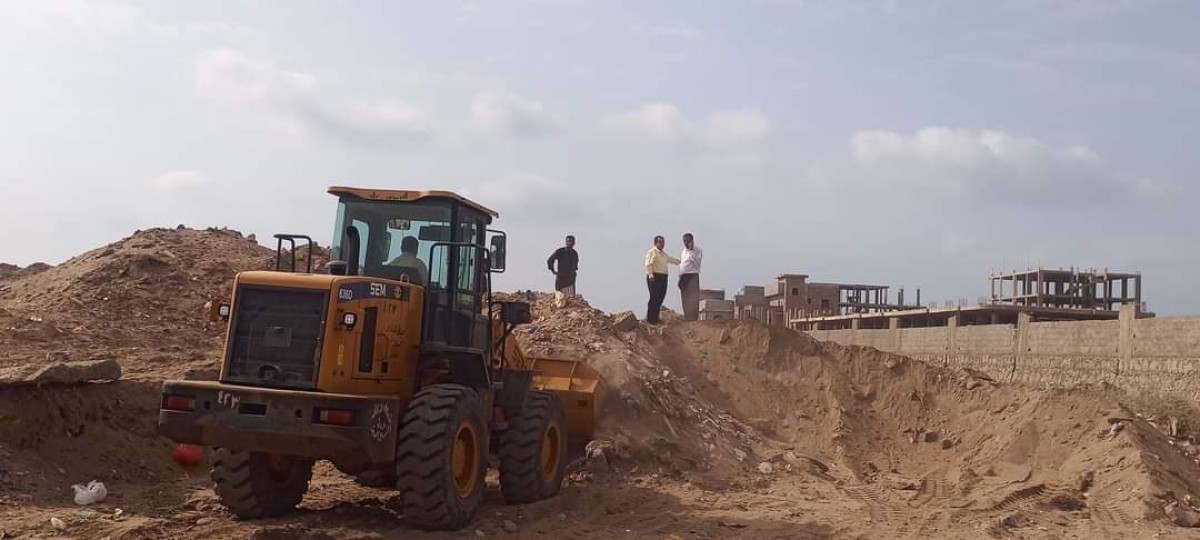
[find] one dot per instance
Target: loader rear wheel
(533, 450)
(441, 457)
(257, 485)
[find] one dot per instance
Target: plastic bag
(92, 493)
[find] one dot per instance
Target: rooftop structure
(791, 296)
(1072, 289)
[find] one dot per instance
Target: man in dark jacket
(567, 260)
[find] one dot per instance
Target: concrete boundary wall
(1157, 354)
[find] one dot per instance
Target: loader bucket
(580, 389)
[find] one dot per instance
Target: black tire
(257, 485)
(533, 450)
(438, 492)
(376, 478)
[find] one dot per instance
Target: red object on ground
(188, 454)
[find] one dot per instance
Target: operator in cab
(409, 261)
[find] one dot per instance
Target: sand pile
(139, 300)
(652, 417)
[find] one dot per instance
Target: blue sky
(922, 143)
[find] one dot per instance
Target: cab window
(396, 238)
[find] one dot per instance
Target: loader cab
(432, 239)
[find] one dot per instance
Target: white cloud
(291, 98)
(390, 115)
(656, 120)
(661, 121)
(989, 164)
(294, 100)
(736, 126)
(505, 113)
(176, 180)
(231, 75)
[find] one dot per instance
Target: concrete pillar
(1039, 287)
(952, 341)
(1127, 316)
(896, 333)
(1022, 343)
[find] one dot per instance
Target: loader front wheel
(533, 450)
(376, 478)
(258, 485)
(441, 457)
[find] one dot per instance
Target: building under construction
(1070, 289)
(792, 296)
(1043, 295)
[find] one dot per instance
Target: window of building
(795, 291)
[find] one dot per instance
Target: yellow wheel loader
(393, 363)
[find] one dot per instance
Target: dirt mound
(54, 437)
(652, 416)
(11, 272)
(139, 300)
(745, 405)
(903, 434)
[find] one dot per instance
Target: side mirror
(498, 253)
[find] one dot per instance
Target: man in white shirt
(656, 277)
(689, 278)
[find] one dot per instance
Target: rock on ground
(60, 373)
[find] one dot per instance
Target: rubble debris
(625, 321)
(64, 373)
(1181, 515)
(597, 452)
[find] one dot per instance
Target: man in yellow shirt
(656, 277)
